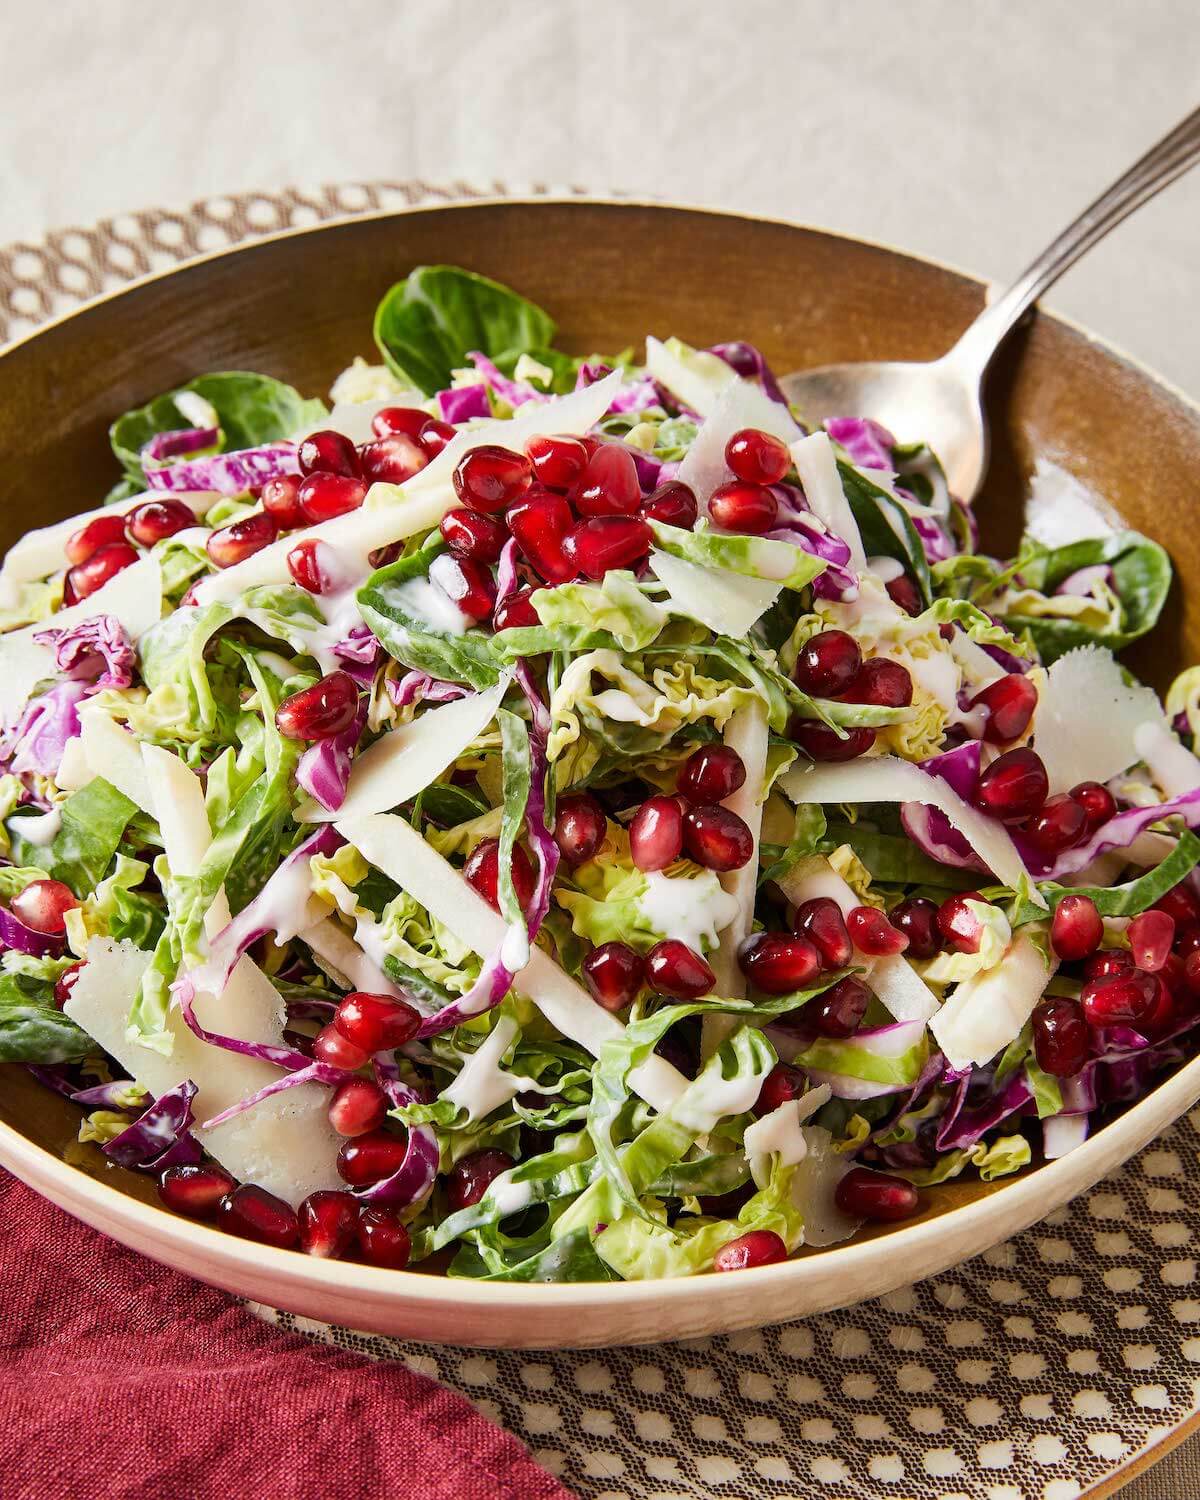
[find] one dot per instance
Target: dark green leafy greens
(32, 1028)
(93, 821)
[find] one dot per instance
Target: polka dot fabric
(1036, 1372)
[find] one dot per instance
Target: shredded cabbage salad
(558, 819)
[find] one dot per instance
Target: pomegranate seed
(1117, 1002)
(328, 1222)
(330, 1046)
(1061, 1040)
(656, 833)
(604, 542)
(408, 421)
(904, 594)
(780, 1085)
(1097, 801)
(376, 1023)
(491, 478)
(468, 583)
(370, 1158)
(743, 507)
(917, 918)
(483, 871)
(1014, 786)
(1109, 963)
(516, 611)
(157, 519)
(557, 461)
(609, 485)
(959, 925)
(472, 1175)
(827, 664)
(757, 457)
(614, 973)
(99, 532)
(1180, 903)
(471, 533)
(579, 827)
(435, 435)
(840, 1010)
(717, 838)
(779, 962)
(195, 1189)
(1010, 702)
(65, 983)
(313, 565)
(328, 452)
(1150, 937)
(1060, 824)
(255, 1214)
(281, 501)
(761, 1247)
(711, 774)
(358, 1106)
(86, 577)
(1076, 929)
(821, 922)
(872, 933)
(234, 544)
(882, 682)
(874, 1195)
(43, 905)
(674, 504)
(819, 742)
(541, 523)
(382, 1239)
(675, 969)
(320, 711)
(323, 496)
(391, 460)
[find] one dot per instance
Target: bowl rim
(92, 1198)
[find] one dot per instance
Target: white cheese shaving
(1061, 510)
(112, 752)
(741, 404)
(1087, 718)
(697, 391)
(986, 1011)
(816, 465)
(1172, 764)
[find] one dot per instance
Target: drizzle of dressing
(41, 830)
(482, 1084)
(693, 910)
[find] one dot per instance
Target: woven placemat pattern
(1034, 1372)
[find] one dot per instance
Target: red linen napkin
(123, 1380)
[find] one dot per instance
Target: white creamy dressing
(711, 1098)
(514, 951)
(510, 1197)
(41, 830)
(432, 605)
(780, 1133)
(886, 569)
(692, 910)
(482, 1084)
(278, 664)
(938, 674)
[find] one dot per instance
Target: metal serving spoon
(940, 402)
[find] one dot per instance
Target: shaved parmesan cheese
(391, 845)
(285, 1144)
(401, 764)
(886, 778)
(73, 769)
(698, 381)
(351, 418)
(178, 802)
(133, 596)
(986, 1011)
(740, 404)
(1060, 510)
(42, 552)
(816, 465)
(112, 752)
(391, 513)
(1173, 766)
(978, 667)
(892, 977)
(726, 602)
(1087, 718)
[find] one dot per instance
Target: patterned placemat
(1038, 1371)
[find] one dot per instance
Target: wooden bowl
(299, 306)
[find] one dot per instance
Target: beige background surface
(968, 132)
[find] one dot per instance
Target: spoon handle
(1163, 163)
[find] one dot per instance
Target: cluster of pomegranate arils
(1152, 986)
(106, 545)
(329, 1223)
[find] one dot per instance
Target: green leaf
(749, 556)
(1142, 579)
(427, 324)
(872, 507)
(391, 607)
(251, 410)
(1120, 900)
(896, 860)
(93, 820)
(33, 1029)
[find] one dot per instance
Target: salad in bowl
(543, 818)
